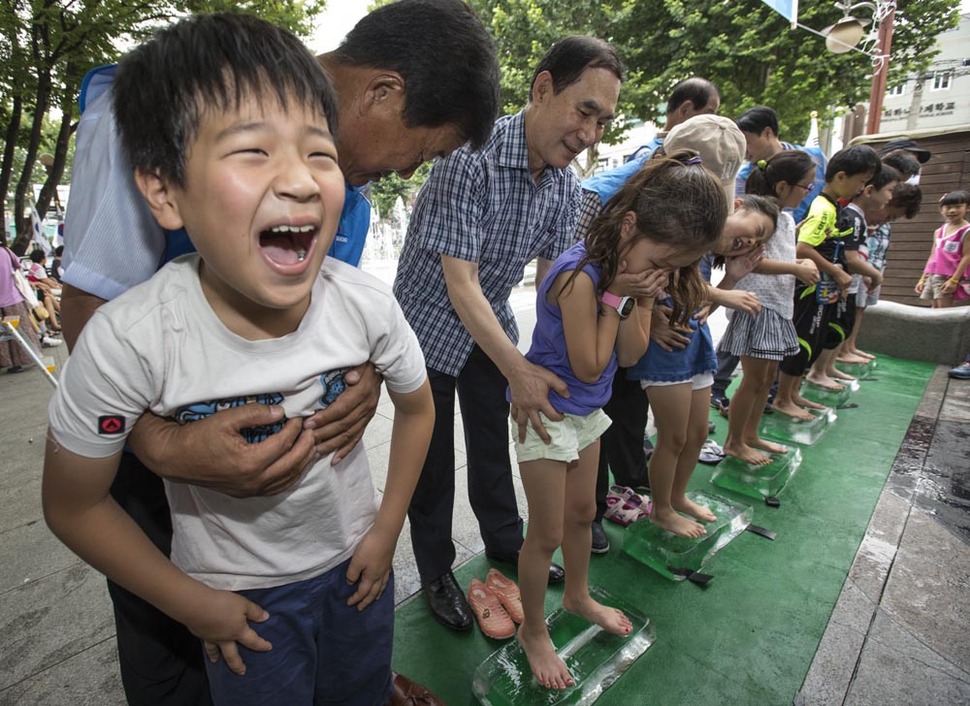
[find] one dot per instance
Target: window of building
(942, 80)
(897, 90)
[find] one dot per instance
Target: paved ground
(897, 636)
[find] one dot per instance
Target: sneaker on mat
(50, 342)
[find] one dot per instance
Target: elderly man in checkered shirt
(479, 219)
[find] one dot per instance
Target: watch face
(626, 306)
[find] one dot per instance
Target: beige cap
(719, 142)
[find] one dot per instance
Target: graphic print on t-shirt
(331, 383)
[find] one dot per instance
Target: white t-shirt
(776, 292)
(160, 347)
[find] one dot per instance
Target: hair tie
(693, 161)
(762, 164)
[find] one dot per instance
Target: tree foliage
(46, 47)
(743, 46)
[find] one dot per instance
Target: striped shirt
(481, 207)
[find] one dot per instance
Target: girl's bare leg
(545, 490)
(743, 407)
(580, 509)
(671, 406)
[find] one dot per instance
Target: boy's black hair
(59, 250)
(445, 56)
(857, 159)
(884, 175)
(568, 58)
(909, 197)
(208, 62)
(755, 120)
(955, 197)
(699, 91)
(37, 255)
(903, 162)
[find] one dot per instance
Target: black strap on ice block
(772, 501)
(761, 532)
(693, 576)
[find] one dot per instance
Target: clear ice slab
(830, 398)
(782, 427)
(595, 659)
(676, 557)
(758, 481)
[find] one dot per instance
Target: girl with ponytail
(593, 311)
(763, 340)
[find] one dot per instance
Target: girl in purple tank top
(593, 310)
(946, 275)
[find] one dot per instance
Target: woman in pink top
(947, 273)
(12, 356)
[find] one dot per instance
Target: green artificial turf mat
(749, 637)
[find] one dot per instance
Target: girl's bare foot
(673, 522)
(744, 452)
(549, 670)
(802, 402)
(823, 380)
(839, 375)
(769, 446)
(610, 619)
(790, 409)
(698, 512)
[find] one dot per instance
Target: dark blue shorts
(324, 651)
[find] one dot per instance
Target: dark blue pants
(324, 651)
(481, 393)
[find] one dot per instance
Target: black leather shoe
(556, 573)
(409, 693)
(448, 603)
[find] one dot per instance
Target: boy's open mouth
(287, 245)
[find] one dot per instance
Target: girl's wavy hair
(787, 166)
(678, 202)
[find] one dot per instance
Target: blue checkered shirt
(481, 207)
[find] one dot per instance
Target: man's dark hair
(884, 175)
(445, 56)
(699, 91)
(903, 162)
(755, 120)
(209, 62)
(568, 58)
(37, 255)
(857, 159)
(909, 197)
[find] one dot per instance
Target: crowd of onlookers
(30, 299)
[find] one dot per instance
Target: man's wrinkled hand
(214, 453)
(340, 427)
(529, 388)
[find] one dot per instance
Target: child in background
(228, 123)
(905, 202)
(590, 317)
(872, 199)
(678, 382)
(946, 275)
(820, 239)
(762, 341)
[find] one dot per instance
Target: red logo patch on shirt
(111, 424)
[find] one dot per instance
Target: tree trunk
(6, 166)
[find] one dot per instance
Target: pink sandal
(507, 593)
(492, 617)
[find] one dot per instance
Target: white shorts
(569, 436)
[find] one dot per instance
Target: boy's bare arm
(808, 252)
(370, 566)
(80, 511)
(858, 265)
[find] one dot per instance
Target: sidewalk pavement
(898, 634)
